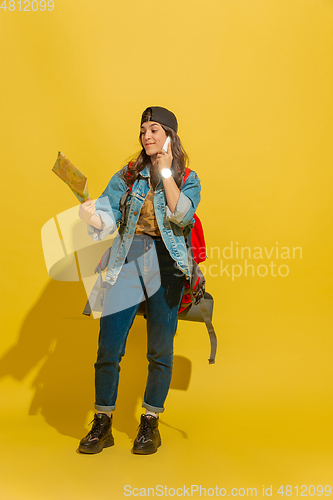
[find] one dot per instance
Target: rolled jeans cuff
(155, 409)
(105, 408)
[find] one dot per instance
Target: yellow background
(251, 85)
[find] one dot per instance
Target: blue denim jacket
(173, 226)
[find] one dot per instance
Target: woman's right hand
(87, 210)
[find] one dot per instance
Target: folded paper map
(72, 176)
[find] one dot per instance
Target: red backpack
(197, 304)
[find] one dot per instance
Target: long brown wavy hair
(179, 162)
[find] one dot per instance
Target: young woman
(153, 210)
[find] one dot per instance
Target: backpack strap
(130, 165)
(96, 298)
(187, 173)
(210, 328)
(124, 198)
(197, 258)
(97, 294)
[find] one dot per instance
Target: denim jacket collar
(145, 172)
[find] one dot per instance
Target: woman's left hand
(163, 159)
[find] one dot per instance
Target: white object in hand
(165, 147)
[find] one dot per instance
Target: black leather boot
(148, 439)
(100, 435)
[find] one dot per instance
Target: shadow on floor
(56, 332)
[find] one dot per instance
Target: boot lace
(144, 428)
(96, 428)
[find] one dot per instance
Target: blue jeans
(162, 318)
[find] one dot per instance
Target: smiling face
(153, 137)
